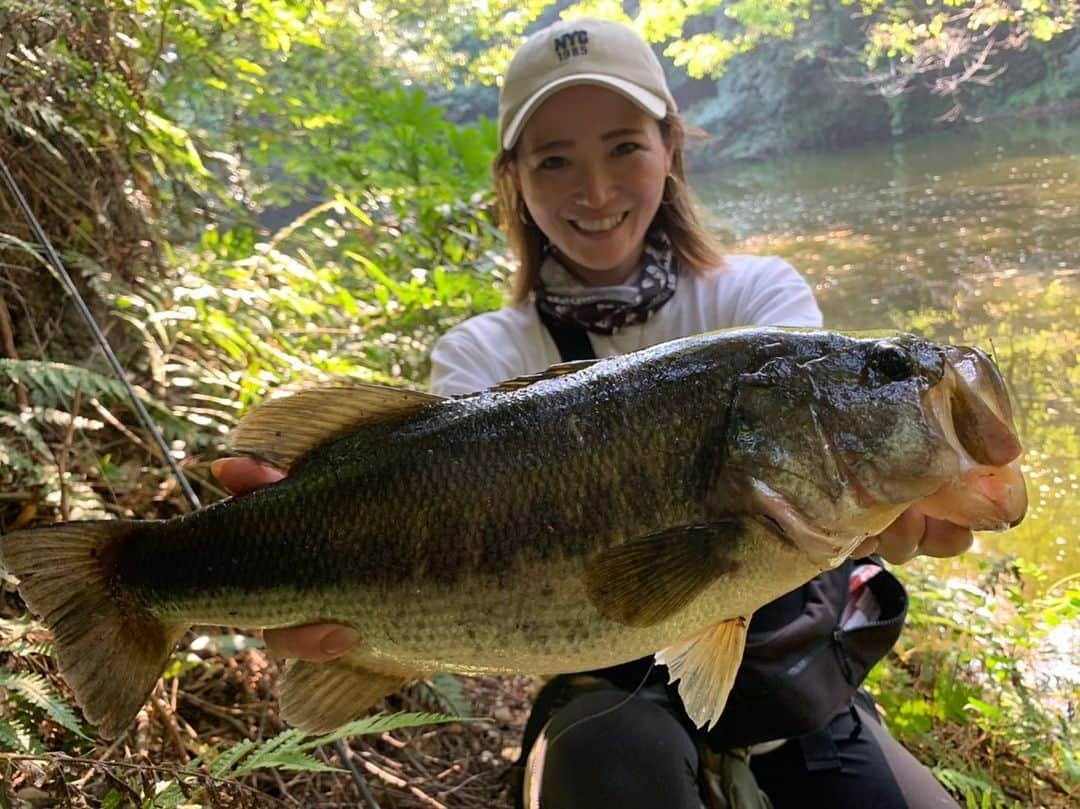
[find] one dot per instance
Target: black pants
(602, 750)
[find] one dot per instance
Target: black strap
(819, 750)
(572, 341)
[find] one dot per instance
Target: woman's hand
(316, 642)
(913, 534)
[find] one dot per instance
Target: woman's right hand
(316, 642)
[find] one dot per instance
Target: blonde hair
(677, 217)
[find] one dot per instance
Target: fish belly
(541, 622)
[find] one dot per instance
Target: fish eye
(891, 362)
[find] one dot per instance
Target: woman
(613, 259)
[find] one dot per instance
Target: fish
(594, 513)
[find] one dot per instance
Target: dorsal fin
(282, 430)
(561, 369)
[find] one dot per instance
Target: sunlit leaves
(978, 662)
(173, 144)
(949, 43)
(706, 54)
(608, 10)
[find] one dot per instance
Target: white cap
(583, 51)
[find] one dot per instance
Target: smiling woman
(594, 196)
(597, 153)
(611, 259)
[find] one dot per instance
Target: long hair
(694, 246)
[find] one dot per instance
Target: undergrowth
(984, 684)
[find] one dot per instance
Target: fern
(289, 751)
(53, 384)
(381, 723)
(29, 432)
(977, 792)
(35, 689)
(15, 736)
(24, 455)
(445, 692)
(16, 629)
(24, 648)
(56, 382)
(227, 760)
(281, 751)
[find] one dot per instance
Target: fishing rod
(193, 499)
(69, 286)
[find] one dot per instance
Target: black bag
(796, 676)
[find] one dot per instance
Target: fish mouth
(974, 415)
(983, 489)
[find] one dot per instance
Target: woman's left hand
(913, 534)
(316, 642)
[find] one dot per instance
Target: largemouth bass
(575, 519)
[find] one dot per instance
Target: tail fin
(111, 650)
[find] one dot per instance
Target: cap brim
(653, 104)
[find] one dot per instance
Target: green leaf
(449, 693)
(985, 708)
(29, 432)
(247, 66)
(224, 763)
(288, 760)
(15, 737)
(36, 690)
(269, 753)
(381, 723)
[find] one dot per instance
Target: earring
(526, 220)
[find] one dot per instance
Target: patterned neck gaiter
(563, 299)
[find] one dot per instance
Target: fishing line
(102, 341)
(80, 304)
(606, 711)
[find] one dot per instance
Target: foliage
(982, 684)
(947, 46)
(446, 692)
(208, 778)
(289, 750)
(358, 285)
(28, 697)
(239, 317)
(34, 691)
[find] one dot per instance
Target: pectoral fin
(319, 697)
(645, 581)
(705, 665)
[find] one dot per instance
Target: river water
(970, 236)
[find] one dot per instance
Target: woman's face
(591, 166)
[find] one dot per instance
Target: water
(969, 237)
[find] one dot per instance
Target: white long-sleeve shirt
(510, 342)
